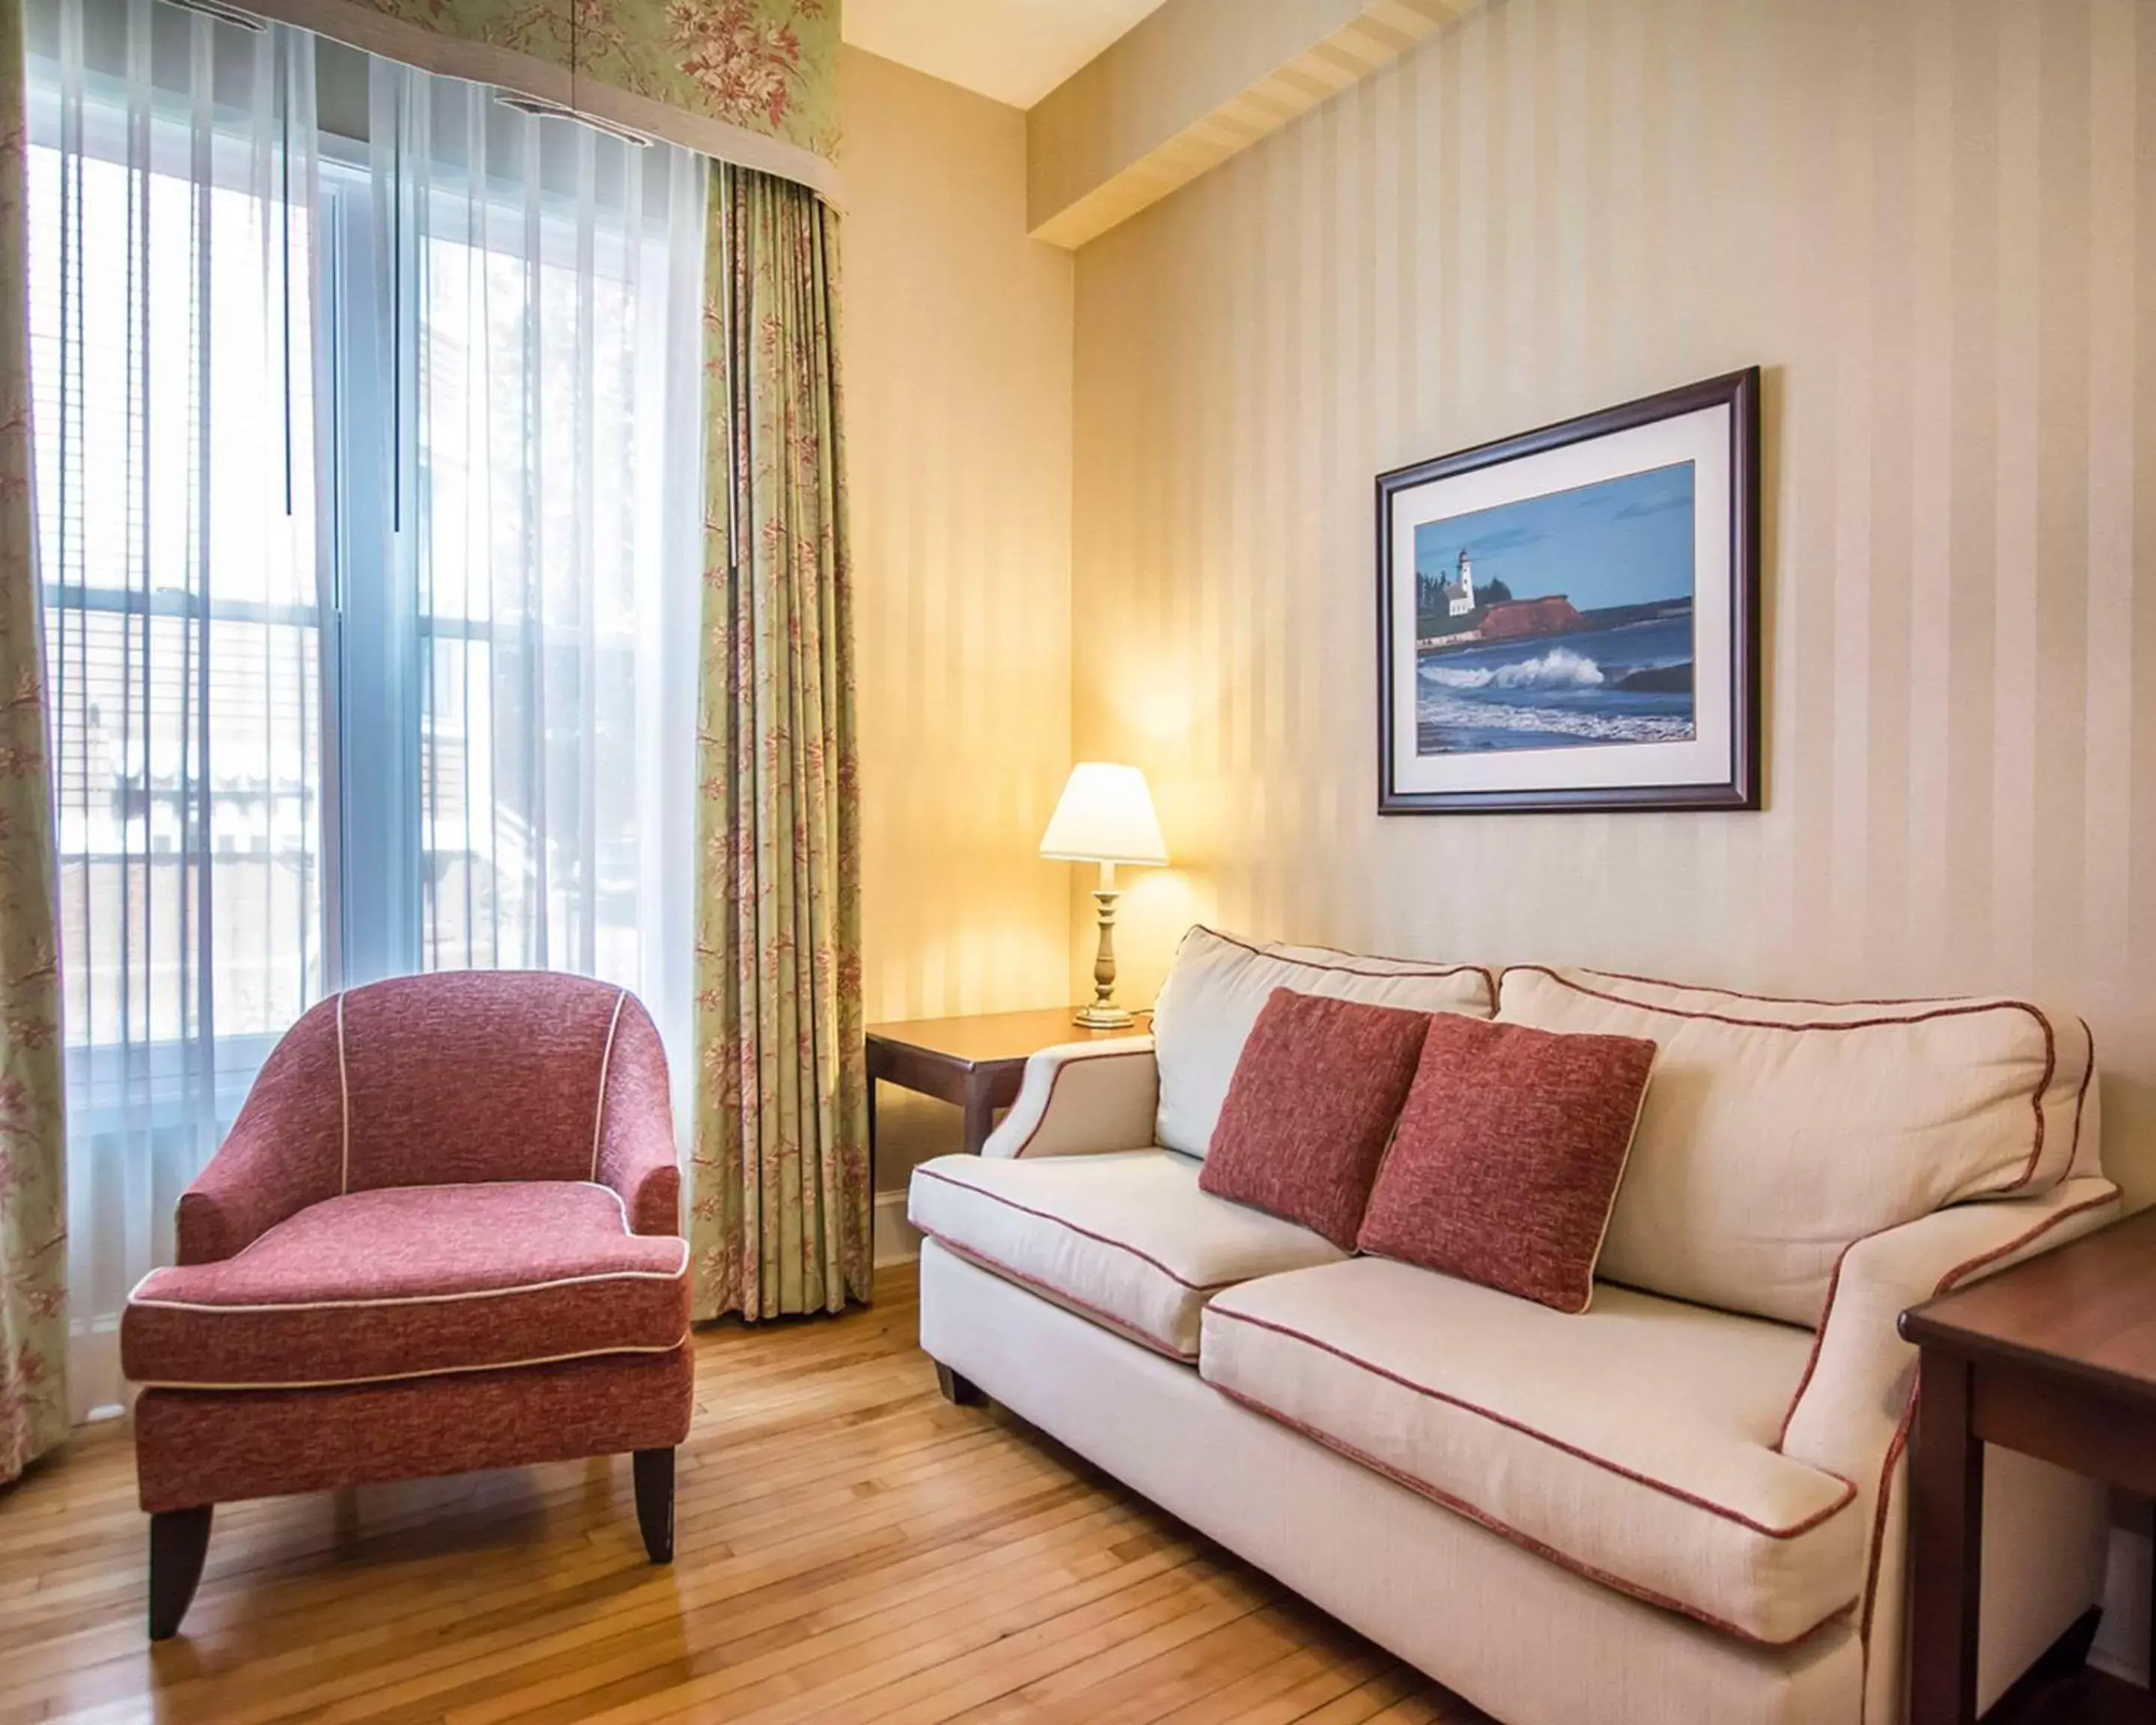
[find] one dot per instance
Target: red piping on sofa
(1105, 1240)
(1048, 1103)
(1969, 1010)
(1526, 1542)
(1057, 1297)
(1489, 976)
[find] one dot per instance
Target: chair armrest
(1082, 1096)
(633, 1148)
(284, 1151)
(1858, 1390)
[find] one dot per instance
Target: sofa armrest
(1082, 1096)
(1861, 1382)
(632, 1151)
(1855, 1408)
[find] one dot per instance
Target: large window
(366, 428)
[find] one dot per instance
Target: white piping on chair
(620, 1203)
(606, 1060)
(344, 1092)
(514, 1365)
(232, 1308)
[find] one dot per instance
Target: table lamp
(1104, 816)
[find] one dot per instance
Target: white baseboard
(896, 1241)
(2122, 1638)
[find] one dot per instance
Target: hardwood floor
(849, 1547)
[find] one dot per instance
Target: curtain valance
(753, 82)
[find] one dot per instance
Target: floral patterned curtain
(33, 1412)
(780, 1181)
(749, 81)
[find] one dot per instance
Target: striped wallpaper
(1934, 222)
(957, 356)
(1191, 86)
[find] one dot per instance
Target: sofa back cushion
(1776, 1132)
(1218, 985)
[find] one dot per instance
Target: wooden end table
(2055, 1359)
(975, 1064)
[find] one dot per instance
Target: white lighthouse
(1459, 595)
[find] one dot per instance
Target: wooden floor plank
(1281, 1692)
(848, 1548)
(1366, 1701)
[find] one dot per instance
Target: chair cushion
(1776, 1132)
(1316, 1090)
(1633, 1444)
(1507, 1157)
(1123, 1237)
(1219, 985)
(410, 1282)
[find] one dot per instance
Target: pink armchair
(443, 1235)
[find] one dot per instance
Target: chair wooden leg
(179, 1540)
(959, 1391)
(655, 1502)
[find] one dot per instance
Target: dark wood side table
(2055, 1359)
(974, 1063)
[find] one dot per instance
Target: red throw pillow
(1505, 1166)
(1316, 1089)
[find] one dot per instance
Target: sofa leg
(655, 1502)
(179, 1540)
(959, 1391)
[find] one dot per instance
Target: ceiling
(1015, 50)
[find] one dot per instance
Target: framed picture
(1569, 619)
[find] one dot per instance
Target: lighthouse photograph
(1568, 617)
(1558, 621)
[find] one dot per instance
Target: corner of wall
(959, 380)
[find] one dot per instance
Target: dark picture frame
(1721, 767)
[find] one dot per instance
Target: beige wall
(1934, 223)
(1190, 84)
(957, 355)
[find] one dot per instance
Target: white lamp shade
(1105, 815)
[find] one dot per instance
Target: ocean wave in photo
(1447, 725)
(1560, 667)
(1629, 683)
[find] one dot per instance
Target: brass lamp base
(1097, 1017)
(1102, 1014)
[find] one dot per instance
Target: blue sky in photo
(1619, 542)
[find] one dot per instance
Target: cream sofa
(1688, 1504)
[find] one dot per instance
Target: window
(367, 457)
(155, 669)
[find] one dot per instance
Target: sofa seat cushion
(1123, 1237)
(412, 1282)
(1633, 1444)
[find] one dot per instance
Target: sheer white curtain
(367, 434)
(540, 299)
(173, 361)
